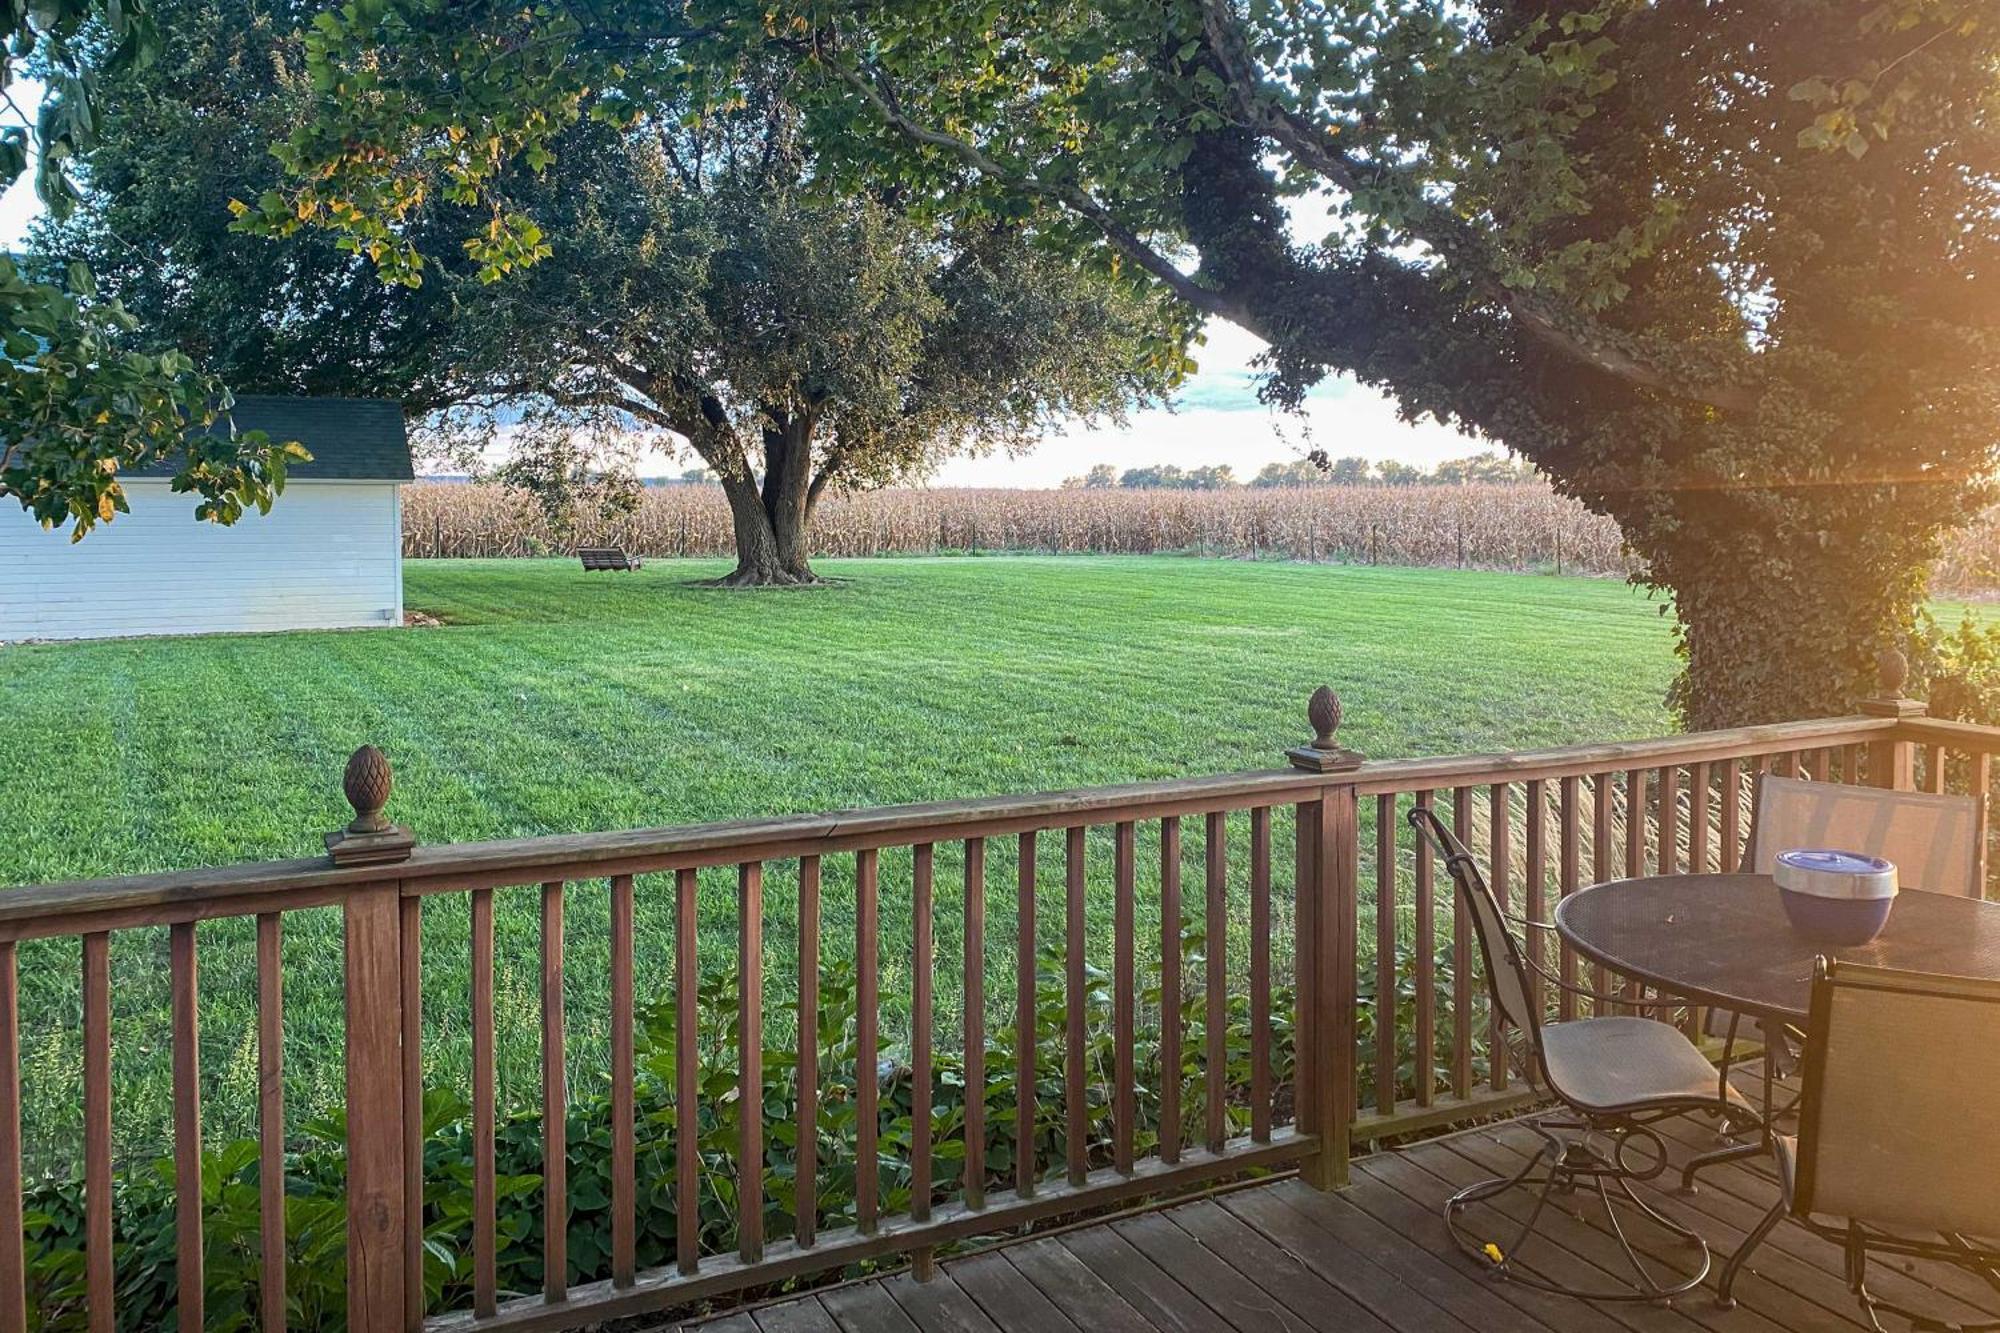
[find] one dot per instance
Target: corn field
(1514, 526)
(1500, 526)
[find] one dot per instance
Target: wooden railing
(1367, 1066)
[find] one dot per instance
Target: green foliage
(79, 407)
(314, 1169)
(1168, 477)
(1956, 672)
(79, 400)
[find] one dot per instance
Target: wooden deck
(1374, 1257)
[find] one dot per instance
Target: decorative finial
(1892, 673)
(369, 838)
(1325, 754)
(1892, 670)
(1324, 714)
(368, 782)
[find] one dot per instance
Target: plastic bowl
(1834, 897)
(1841, 922)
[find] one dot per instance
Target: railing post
(1328, 832)
(372, 920)
(1892, 760)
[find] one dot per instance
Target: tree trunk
(771, 522)
(1776, 628)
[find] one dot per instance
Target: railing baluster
(1260, 975)
(97, 1200)
(555, 1103)
(1501, 857)
(1698, 780)
(867, 1043)
(750, 1061)
(1461, 958)
(975, 1022)
(1571, 872)
(805, 1179)
(1670, 820)
(1732, 817)
(1635, 822)
(410, 973)
(13, 1261)
(1535, 810)
(1024, 1021)
(1076, 1091)
(1980, 783)
(1425, 1056)
(1171, 1063)
(1385, 953)
(1602, 786)
(687, 1075)
(187, 1124)
(270, 1123)
(923, 953)
(1124, 997)
(1934, 769)
(485, 1231)
(1216, 994)
(1817, 764)
(624, 1155)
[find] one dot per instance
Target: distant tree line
(1314, 469)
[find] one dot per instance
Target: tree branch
(1127, 241)
(1571, 335)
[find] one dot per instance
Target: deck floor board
(1280, 1257)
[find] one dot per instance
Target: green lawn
(552, 701)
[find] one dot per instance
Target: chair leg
(1734, 1152)
(1560, 1166)
(1725, 1288)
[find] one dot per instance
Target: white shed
(329, 555)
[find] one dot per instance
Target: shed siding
(328, 555)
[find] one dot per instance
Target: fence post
(378, 1234)
(1328, 833)
(1892, 760)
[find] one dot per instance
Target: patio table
(1724, 940)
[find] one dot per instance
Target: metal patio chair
(1615, 1077)
(1898, 1137)
(1933, 840)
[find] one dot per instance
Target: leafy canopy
(82, 402)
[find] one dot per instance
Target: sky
(1216, 417)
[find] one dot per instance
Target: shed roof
(350, 439)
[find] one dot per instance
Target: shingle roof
(350, 439)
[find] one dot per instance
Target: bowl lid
(1833, 873)
(1836, 862)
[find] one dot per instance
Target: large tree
(1723, 269)
(694, 278)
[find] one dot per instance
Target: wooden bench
(607, 557)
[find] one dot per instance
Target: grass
(551, 701)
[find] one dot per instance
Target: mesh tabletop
(1725, 940)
